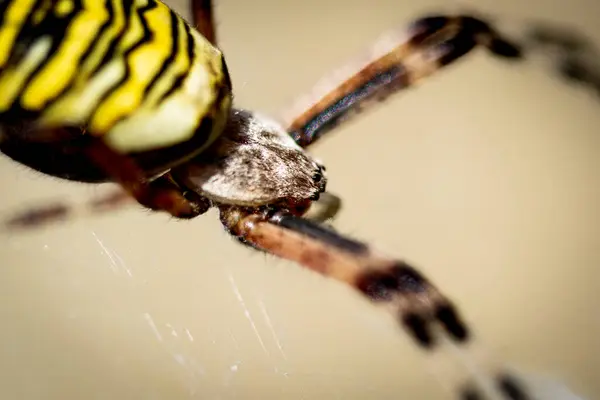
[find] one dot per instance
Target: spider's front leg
(395, 61)
(202, 16)
(161, 194)
(90, 160)
(421, 309)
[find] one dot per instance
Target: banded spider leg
(395, 285)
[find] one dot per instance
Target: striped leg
(91, 160)
(160, 194)
(202, 16)
(393, 62)
(420, 308)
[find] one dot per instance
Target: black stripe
(332, 115)
(50, 26)
(21, 43)
(3, 7)
(86, 53)
(146, 37)
(177, 82)
(155, 161)
(109, 21)
(424, 27)
(190, 42)
(173, 53)
(455, 48)
(54, 27)
(320, 232)
(127, 6)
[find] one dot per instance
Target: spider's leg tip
(419, 329)
(506, 49)
(448, 317)
(512, 388)
(470, 393)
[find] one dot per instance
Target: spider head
(254, 162)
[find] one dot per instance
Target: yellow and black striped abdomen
(131, 71)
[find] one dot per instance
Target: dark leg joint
(494, 42)
(378, 285)
(424, 27)
(320, 232)
(511, 388)
(163, 195)
(447, 316)
(456, 47)
(408, 279)
(381, 285)
(503, 48)
(419, 329)
(470, 393)
(574, 70)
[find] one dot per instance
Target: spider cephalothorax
(254, 162)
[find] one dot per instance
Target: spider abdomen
(129, 71)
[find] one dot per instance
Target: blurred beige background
(487, 177)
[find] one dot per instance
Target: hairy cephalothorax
(254, 162)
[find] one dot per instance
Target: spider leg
(161, 194)
(37, 216)
(392, 63)
(420, 308)
(92, 161)
(202, 16)
(572, 55)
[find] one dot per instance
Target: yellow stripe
(176, 119)
(144, 63)
(180, 64)
(129, 120)
(16, 15)
(134, 31)
(79, 103)
(97, 54)
(62, 67)
(64, 7)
